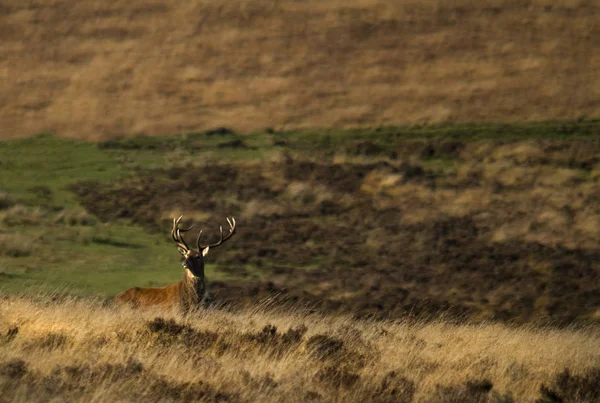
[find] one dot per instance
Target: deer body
(187, 293)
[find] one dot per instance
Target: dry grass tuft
(20, 215)
(75, 217)
(15, 245)
(80, 350)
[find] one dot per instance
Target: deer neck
(192, 291)
(191, 280)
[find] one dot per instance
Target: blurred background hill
(98, 70)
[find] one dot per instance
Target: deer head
(194, 258)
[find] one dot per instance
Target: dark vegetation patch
(10, 335)
(335, 353)
(337, 377)
(263, 383)
(190, 142)
(325, 347)
(277, 343)
(162, 389)
(392, 388)
(168, 332)
(237, 143)
(43, 194)
(219, 131)
(474, 391)
(115, 243)
(49, 341)
(137, 143)
(567, 387)
(266, 341)
(100, 373)
(14, 368)
(344, 242)
(6, 200)
(446, 149)
(368, 149)
(13, 252)
(79, 382)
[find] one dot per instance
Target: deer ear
(181, 250)
(205, 251)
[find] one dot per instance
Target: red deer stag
(187, 293)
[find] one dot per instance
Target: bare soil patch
(510, 232)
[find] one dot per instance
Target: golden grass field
(108, 69)
(81, 350)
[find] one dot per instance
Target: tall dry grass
(81, 350)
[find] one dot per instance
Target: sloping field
(370, 223)
(80, 351)
(92, 69)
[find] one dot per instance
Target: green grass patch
(37, 170)
(440, 165)
(467, 132)
(93, 260)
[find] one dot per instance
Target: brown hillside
(103, 69)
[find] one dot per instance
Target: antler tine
(176, 233)
(198, 241)
(180, 237)
(175, 222)
(183, 229)
(223, 239)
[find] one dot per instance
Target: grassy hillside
(106, 70)
(386, 223)
(80, 351)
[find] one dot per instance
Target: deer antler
(223, 239)
(176, 233)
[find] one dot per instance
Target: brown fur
(187, 293)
